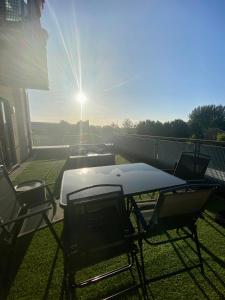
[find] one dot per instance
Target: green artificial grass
(40, 277)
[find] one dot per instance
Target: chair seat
(30, 225)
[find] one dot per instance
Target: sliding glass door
(7, 145)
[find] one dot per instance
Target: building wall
(23, 65)
(22, 120)
(17, 99)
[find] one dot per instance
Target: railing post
(156, 154)
(196, 153)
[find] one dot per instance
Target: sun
(81, 97)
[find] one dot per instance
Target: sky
(148, 59)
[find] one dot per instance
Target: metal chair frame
(197, 159)
(70, 284)
(11, 227)
(146, 231)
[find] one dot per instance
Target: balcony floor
(40, 270)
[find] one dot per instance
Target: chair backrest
(83, 149)
(95, 225)
(191, 165)
(9, 206)
(179, 207)
(96, 160)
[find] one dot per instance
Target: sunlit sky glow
(134, 59)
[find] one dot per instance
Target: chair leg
(52, 230)
(141, 279)
(140, 244)
(195, 237)
(68, 287)
(130, 260)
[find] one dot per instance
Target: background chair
(96, 228)
(35, 192)
(191, 166)
(176, 208)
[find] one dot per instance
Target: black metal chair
(33, 192)
(97, 228)
(191, 166)
(19, 219)
(176, 208)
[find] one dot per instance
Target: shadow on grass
(216, 259)
(212, 225)
(12, 259)
(50, 276)
(132, 292)
(187, 268)
(182, 254)
(204, 276)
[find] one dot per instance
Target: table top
(137, 178)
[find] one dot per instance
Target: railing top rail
(175, 139)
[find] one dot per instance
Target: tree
(195, 130)
(179, 129)
(208, 116)
(114, 125)
(220, 137)
(127, 123)
(176, 128)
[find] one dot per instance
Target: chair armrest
(50, 183)
(24, 216)
(45, 187)
(196, 181)
(150, 201)
(144, 205)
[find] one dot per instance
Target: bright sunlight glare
(81, 97)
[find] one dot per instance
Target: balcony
(40, 253)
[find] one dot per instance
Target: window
(13, 10)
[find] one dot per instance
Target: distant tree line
(176, 128)
(205, 122)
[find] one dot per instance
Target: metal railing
(59, 139)
(164, 152)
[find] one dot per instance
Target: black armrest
(145, 205)
(25, 216)
(46, 187)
